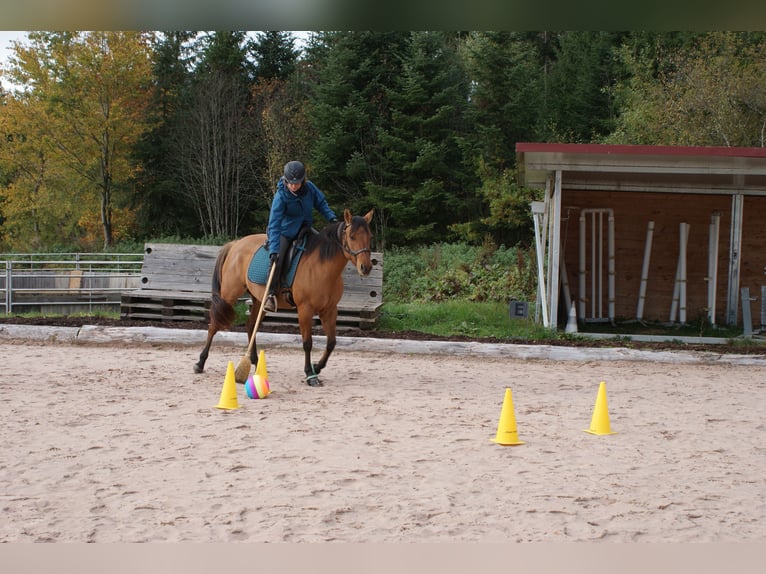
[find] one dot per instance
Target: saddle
(258, 270)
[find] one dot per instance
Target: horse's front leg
(305, 321)
(329, 320)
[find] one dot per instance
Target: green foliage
(420, 125)
(508, 74)
(158, 192)
(510, 219)
(351, 104)
(579, 106)
(275, 55)
(445, 272)
(708, 91)
(464, 318)
(391, 117)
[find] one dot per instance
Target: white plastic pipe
(683, 231)
(582, 268)
(684, 238)
(597, 263)
(536, 214)
(611, 265)
(600, 267)
(645, 271)
(712, 265)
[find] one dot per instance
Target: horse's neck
(337, 263)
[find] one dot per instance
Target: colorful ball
(257, 387)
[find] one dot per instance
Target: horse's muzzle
(364, 269)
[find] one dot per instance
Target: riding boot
(271, 304)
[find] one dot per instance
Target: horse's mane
(327, 239)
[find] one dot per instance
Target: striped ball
(257, 387)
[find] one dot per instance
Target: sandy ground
(107, 443)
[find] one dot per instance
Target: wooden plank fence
(175, 286)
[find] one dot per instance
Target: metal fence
(64, 283)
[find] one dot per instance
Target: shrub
(449, 271)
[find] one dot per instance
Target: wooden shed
(654, 233)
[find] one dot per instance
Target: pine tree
(350, 106)
(164, 209)
(430, 182)
(275, 55)
(581, 81)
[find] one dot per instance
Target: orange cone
(228, 398)
(507, 434)
(599, 422)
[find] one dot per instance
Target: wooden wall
(632, 212)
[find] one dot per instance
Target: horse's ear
(369, 215)
(347, 216)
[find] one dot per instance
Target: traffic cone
(261, 368)
(599, 422)
(506, 427)
(228, 398)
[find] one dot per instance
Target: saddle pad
(258, 270)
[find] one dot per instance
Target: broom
(244, 366)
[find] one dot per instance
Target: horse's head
(356, 241)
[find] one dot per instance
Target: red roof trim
(640, 149)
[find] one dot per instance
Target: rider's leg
(271, 299)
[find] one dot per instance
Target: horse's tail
(221, 312)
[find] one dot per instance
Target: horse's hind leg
(199, 366)
(221, 316)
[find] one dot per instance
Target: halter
(342, 240)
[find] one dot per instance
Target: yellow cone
(507, 434)
(228, 398)
(261, 368)
(599, 423)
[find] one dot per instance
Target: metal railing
(63, 283)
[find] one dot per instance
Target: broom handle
(260, 309)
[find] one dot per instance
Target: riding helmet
(294, 172)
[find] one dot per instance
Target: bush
(450, 271)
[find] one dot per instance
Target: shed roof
(673, 169)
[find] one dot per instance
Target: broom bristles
(243, 369)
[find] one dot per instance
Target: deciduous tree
(92, 89)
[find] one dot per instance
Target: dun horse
(316, 290)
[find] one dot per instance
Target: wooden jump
(175, 286)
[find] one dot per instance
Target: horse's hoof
(198, 369)
(313, 381)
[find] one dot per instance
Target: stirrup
(270, 304)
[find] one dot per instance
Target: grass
(481, 320)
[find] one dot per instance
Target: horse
(316, 289)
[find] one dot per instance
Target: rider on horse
(291, 210)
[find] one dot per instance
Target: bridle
(342, 239)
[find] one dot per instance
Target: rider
(291, 210)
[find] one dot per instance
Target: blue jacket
(290, 211)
